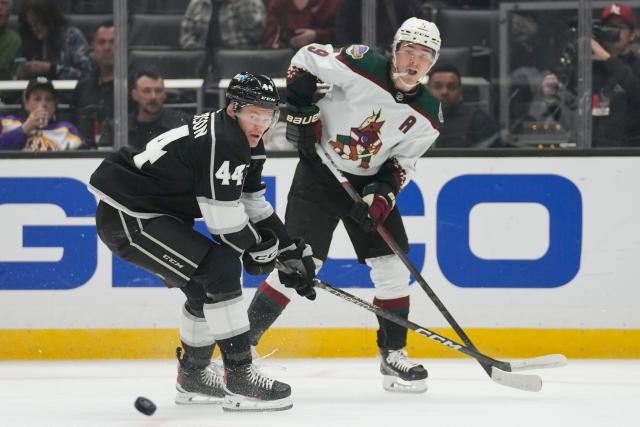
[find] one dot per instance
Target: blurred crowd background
(508, 75)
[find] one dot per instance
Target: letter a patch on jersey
(362, 143)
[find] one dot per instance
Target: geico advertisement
(548, 242)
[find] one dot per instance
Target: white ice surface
(326, 392)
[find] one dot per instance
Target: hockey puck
(145, 406)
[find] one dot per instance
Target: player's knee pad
(227, 318)
(194, 330)
(390, 277)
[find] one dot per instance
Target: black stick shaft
(484, 359)
(386, 236)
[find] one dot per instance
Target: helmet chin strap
(399, 76)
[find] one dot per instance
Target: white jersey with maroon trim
(365, 120)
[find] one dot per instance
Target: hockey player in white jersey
(375, 122)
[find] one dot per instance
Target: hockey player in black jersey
(375, 122)
(210, 168)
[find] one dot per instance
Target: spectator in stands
(464, 126)
(229, 24)
(296, 23)
(150, 117)
(40, 131)
(52, 47)
(389, 15)
(93, 96)
(616, 82)
(10, 42)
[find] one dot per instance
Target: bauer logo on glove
(304, 127)
(303, 120)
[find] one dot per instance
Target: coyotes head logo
(362, 143)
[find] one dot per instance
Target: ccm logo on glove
(261, 257)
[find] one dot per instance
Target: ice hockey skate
(199, 386)
(248, 389)
(401, 374)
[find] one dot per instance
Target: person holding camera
(615, 103)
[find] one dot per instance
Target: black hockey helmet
(249, 89)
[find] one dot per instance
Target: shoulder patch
(357, 51)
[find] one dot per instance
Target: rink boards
(530, 255)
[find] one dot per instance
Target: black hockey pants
(174, 251)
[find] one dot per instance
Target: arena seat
(460, 57)
(272, 62)
(170, 63)
(158, 6)
(465, 27)
(154, 30)
(474, 29)
(90, 6)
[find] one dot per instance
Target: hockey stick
(382, 231)
(501, 372)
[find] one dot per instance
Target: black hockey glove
(298, 259)
(261, 258)
(304, 128)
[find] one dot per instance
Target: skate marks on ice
(326, 392)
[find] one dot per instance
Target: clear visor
(262, 117)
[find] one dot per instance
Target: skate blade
(234, 403)
(187, 398)
(397, 385)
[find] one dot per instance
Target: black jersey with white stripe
(203, 169)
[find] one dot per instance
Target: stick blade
(548, 361)
(519, 381)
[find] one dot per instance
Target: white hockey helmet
(419, 31)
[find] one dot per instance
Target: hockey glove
(261, 258)
(298, 260)
(359, 212)
(304, 128)
(380, 199)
